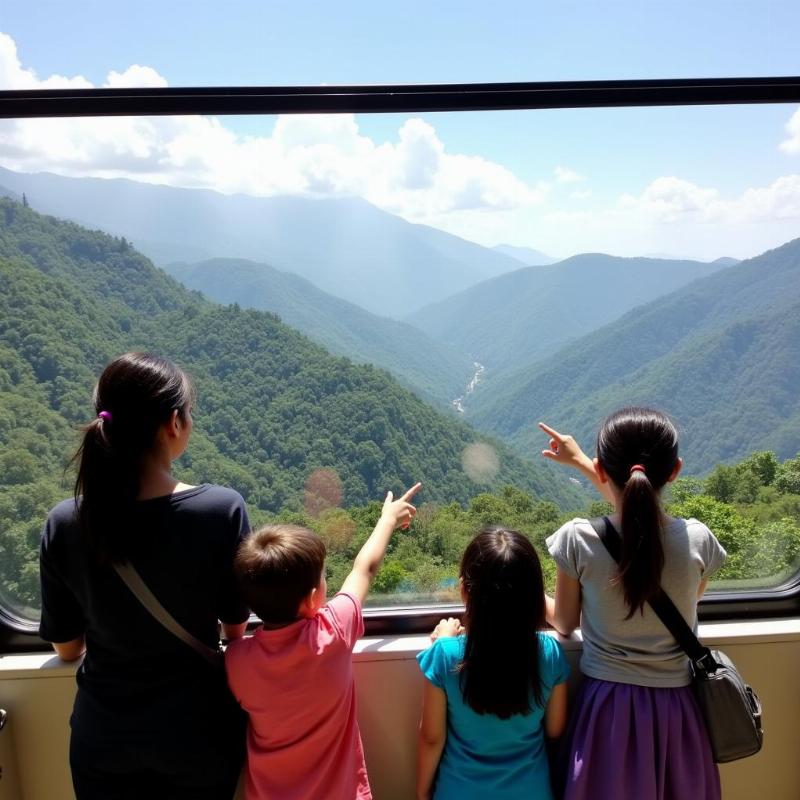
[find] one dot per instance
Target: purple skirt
(637, 742)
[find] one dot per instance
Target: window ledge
(713, 634)
(401, 648)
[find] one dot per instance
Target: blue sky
(694, 181)
(257, 42)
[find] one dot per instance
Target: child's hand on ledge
(447, 627)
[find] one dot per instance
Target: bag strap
(664, 608)
(141, 591)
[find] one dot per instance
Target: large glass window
(366, 301)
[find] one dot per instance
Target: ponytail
(503, 583)
(136, 394)
(638, 449)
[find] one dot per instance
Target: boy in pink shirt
(294, 676)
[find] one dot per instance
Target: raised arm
(565, 450)
(396, 513)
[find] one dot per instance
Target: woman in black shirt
(152, 718)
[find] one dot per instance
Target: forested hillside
(273, 406)
(433, 370)
(753, 508)
(508, 322)
(345, 246)
(722, 355)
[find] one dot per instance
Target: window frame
(18, 634)
(399, 98)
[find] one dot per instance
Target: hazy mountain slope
(726, 261)
(515, 319)
(5, 192)
(526, 255)
(345, 246)
(273, 405)
(434, 370)
(722, 354)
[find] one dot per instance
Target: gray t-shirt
(639, 650)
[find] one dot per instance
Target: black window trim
(18, 634)
(401, 98)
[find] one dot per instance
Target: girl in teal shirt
(495, 688)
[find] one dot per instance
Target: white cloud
(421, 153)
(317, 155)
(779, 200)
(566, 175)
(791, 145)
(668, 199)
(14, 76)
(413, 174)
(135, 76)
(671, 199)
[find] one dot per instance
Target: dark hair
(136, 394)
(505, 610)
(277, 566)
(646, 438)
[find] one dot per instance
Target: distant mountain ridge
(726, 261)
(721, 354)
(517, 318)
(526, 255)
(345, 246)
(432, 369)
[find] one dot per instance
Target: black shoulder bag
(141, 591)
(730, 708)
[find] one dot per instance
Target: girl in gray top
(636, 730)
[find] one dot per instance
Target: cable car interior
(359, 292)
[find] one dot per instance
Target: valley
(315, 400)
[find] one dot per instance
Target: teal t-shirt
(485, 756)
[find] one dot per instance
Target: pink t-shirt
(296, 684)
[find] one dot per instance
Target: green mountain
(435, 371)
(721, 354)
(345, 246)
(273, 406)
(513, 320)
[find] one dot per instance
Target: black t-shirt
(138, 681)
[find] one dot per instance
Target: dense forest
(432, 370)
(720, 355)
(753, 507)
(279, 418)
(512, 321)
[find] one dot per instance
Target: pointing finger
(551, 431)
(412, 491)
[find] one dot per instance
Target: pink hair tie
(637, 468)
(105, 416)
